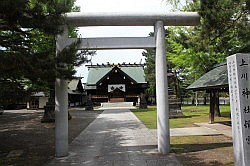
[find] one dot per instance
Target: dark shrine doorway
(117, 95)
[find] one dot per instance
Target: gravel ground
(24, 140)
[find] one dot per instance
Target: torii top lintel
(132, 19)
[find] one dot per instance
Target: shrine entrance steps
(115, 105)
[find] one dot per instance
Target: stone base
(89, 108)
(175, 114)
(49, 114)
(143, 106)
(89, 105)
(175, 107)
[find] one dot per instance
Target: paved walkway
(220, 128)
(115, 138)
(118, 138)
(201, 129)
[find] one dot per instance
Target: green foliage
(174, 78)
(27, 43)
(66, 62)
(15, 92)
(44, 15)
(225, 26)
(150, 71)
(193, 51)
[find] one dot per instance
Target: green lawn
(195, 150)
(192, 114)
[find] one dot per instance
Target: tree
(150, 72)
(224, 30)
(193, 51)
(15, 92)
(173, 75)
(27, 44)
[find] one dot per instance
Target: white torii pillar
(61, 117)
(161, 90)
(61, 103)
(156, 19)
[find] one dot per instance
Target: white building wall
(42, 101)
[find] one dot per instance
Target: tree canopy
(27, 45)
(193, 51)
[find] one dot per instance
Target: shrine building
(116, 82)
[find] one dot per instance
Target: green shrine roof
(96, 73)
(214, 79)
(136, 73)
(73, 84)
(73, 87)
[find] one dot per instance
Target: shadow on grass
(184, 117)
(228, 123)
(186, 148)
(226, 114)
(202, 154)
(195, 161)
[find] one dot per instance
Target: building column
(162, 90)
(61, 105)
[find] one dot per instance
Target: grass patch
(195, 150)
(147, 116)
(197, 143)
(203, 150)
(192, 114)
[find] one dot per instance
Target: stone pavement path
(222, 129)
(115, 138)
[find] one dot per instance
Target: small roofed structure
(76, 94)
(37, 100)
(213, 82)
(116, 82)
(214, 79)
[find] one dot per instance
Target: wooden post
(212, 106)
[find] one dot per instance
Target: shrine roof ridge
(108, 65)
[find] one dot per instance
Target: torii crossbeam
(156, 19)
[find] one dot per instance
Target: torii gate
(156, 19)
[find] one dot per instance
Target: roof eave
(208, 87)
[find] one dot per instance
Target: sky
(117, 56)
